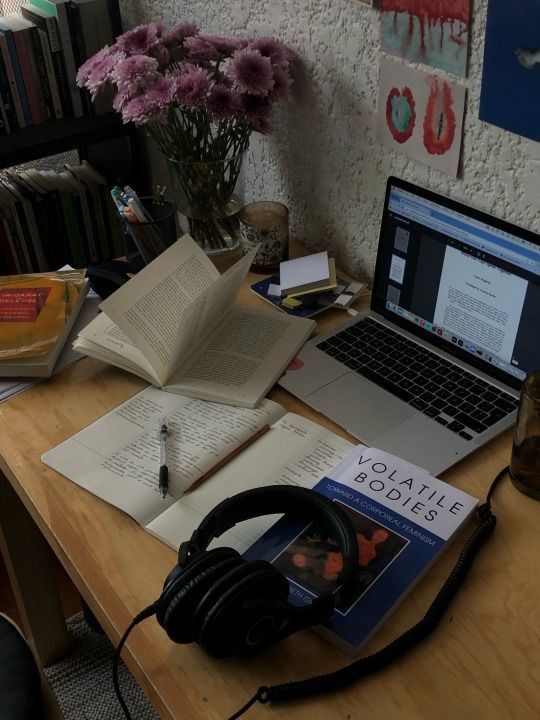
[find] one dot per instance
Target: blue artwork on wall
(510, 95)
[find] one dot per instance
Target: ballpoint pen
(163, 466)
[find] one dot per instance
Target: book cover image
(34, 311)
(313, 561)
(403, 519)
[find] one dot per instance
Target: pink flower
(282, 84)
(86, 68)
(134, 110)
(178, 34)
(271, 48)
(192, 86)
(162, 54)
(173, 43)
(225, 46)
(201, 50)
(120, 100)
(144, 109)
(159, 98)
(141, 39)
(136, 71)
(159, 76)
(251, 72)
(98, 74)
(222, 102)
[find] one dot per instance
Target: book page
(295, 451)
(150, 307)
(204, 315)
(117, 456)
(169, 319)
(104, 340)
(243, 358)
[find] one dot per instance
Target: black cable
(410, 638)
(146, 613)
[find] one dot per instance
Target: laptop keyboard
(445, 392)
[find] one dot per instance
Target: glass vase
(208, 197)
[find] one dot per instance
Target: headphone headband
(301, 503)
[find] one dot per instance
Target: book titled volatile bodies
(404, 518)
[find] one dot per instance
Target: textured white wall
(323, 159)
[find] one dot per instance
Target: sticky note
(291, 303)
(354, 287)
(274, 290)
(343, 300)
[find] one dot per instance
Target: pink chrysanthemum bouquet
(199, 97)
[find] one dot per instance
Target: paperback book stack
(41, 48)
(307, 286)
(37, 312)
(49, 219)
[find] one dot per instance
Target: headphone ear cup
(240, 612)
(183, 587)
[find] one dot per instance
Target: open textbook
(117, 459)
(175, 325)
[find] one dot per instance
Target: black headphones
(229, 605)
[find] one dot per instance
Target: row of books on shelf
(49, 218)
(41, 48)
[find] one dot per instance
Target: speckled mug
(265, 222)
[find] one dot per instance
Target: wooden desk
(482, 662)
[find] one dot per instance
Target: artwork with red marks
(421, 115)
(439, 118)
(314, 561)
(434, 32)
(400, 113)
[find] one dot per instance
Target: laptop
(433, 370)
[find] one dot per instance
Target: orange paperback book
(37, 312)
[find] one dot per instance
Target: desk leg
(28, 561)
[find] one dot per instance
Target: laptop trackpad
(360, 407)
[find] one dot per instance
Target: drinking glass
(265, 223)
(525, 459)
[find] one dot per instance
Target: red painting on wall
(434, 32)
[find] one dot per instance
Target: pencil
(260, 432)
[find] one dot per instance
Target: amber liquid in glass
(525, 466)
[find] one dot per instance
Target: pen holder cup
(150, 238)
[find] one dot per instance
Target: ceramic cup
(265, 223)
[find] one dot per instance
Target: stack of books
(306, 275)
(48, 219)
(41, 49)
(37, 312)
(308, 285)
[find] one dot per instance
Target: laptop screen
(463, 280)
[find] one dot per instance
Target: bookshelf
(52, 209)
(57, 136)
